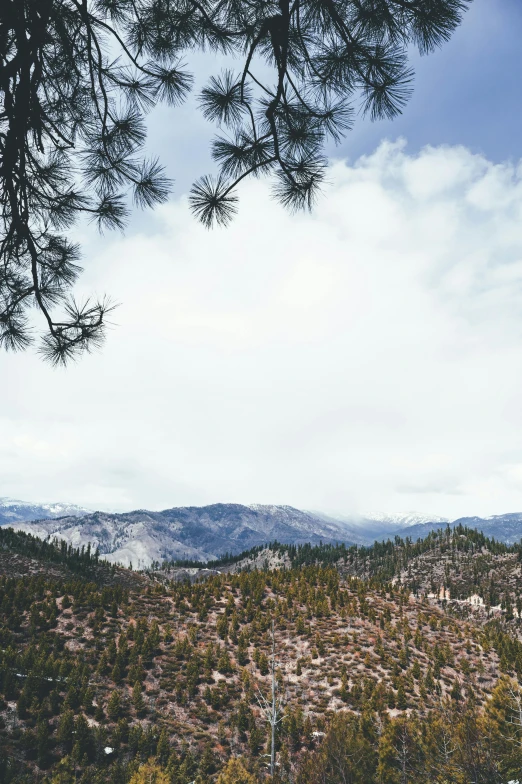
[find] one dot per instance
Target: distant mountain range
(12, 511)
(199, 533)
(505, 528)
(366, 528)
(142, 537)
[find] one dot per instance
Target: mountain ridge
(141, 538)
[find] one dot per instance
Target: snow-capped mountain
(365, 528)
(13, 511)
(401, 519)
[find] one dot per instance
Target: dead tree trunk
(272, 710)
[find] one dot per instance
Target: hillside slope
(101, 676)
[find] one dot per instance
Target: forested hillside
(107, 675)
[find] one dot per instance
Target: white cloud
(366, 356)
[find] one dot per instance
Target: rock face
(200, 533)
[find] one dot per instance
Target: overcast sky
(367, 356)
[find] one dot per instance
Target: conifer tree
(114, 706)
(163, 748)
(65, 731)
(77, 79)
(235, 772)
(137, 698)
(65, 772)
(150, 773)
